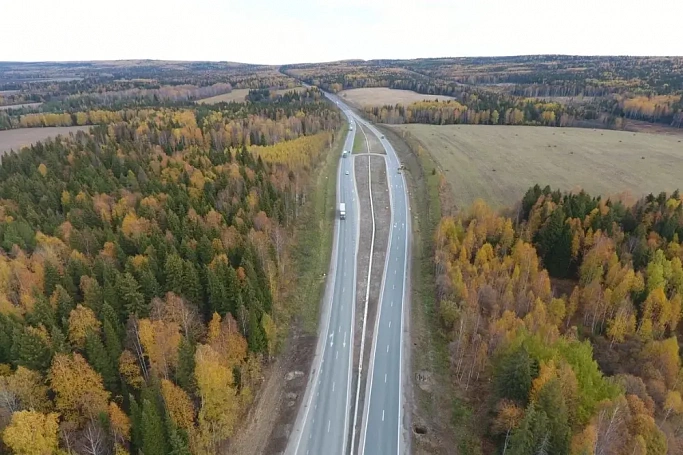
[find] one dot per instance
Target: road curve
(322, 423)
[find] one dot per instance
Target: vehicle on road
(347, 172)
(346, 152)
(342, 210)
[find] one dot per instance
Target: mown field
(499, 163)
(239, 95)
(377, 96)
(23, 137)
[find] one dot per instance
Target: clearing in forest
(379, 96)
(24, 137)
(499, 163)
(239, 95)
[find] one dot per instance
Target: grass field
(499, 163)
(380, 96)
(238, 95)
(23, 137)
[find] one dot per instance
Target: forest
(586, 91)
(565, 316)
(144, 269)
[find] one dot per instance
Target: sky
(297, 31)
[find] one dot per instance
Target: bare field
(19, 106)
(238, 95)
(499, 163)
(380, 96)
(23, 137)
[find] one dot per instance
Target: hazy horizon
(269, 32)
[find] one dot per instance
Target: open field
(380, 96)
(238, 95)
(23, 137)
(499, 163)
(19, 106)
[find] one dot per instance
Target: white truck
(342, 211)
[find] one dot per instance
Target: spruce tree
(174, 274)
(154, 441)
(51, 278)
(256, 339)
(184, 374)
(129, 293)
(97, 356)
(30, 349)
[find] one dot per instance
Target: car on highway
(347, 172)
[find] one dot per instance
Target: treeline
(585, 364)
(480, 113)
(142, 269)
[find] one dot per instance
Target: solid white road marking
(336, 355)
(382, 415)
(392, 303)
(389, 324)
(329, 422)
(385, 379)
(387, 348)
(333, 383)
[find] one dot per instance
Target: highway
(322, 425)
(382, 422)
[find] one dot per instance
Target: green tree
(514, 374)
(184, 374)
(31, 348)
(64, 303)
(256, 338)
(154, 438)
(174, 274)
(51, 277)
(97, 356)
(130, 295)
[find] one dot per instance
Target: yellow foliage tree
(178, 404)
(79, 392)
(82, 320)
(32, 433)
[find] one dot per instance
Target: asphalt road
(381, 431)
(322, 424)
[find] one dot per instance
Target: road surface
(322, 424)
(381, 427)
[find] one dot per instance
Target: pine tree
(552, 403)
(149, 284)
(30, 348)
(129, 292)
(174, 274)
(514, 375)
(51, 278)
(154, 441)
(64, 304)
(136, 425)
(42, 313)
(216, 294)
(97, 356)
(184, 374)
(191, 287)
(58, 341)
(256, 338)
(177, 439)
(111, 341)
